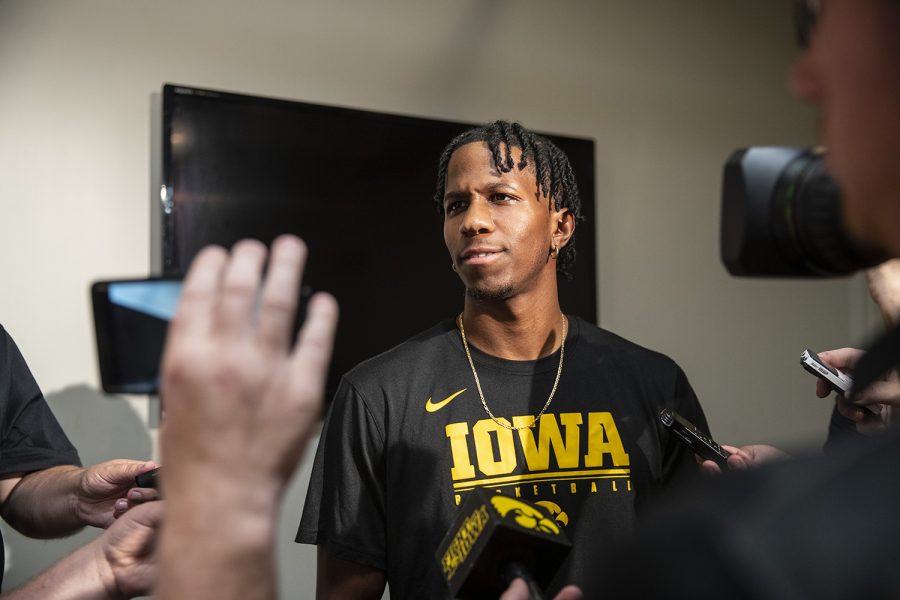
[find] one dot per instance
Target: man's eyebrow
(456, 195)
(500, 185)
(497, 186)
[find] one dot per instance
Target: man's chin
(503, 292)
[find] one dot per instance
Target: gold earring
(554, 252)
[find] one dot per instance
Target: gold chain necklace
(534, 420)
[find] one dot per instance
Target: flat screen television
(356, 185)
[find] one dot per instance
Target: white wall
(665, 88)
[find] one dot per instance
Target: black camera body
(782, 217)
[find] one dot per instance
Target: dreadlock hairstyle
(553, 172)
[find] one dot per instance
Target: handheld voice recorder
(147, 479)
(838, 381)
(693, 438)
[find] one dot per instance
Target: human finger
(570, 592)
(848, 410)
(871, 425)
(517, 590)
(710, 467)
(842, 358)
(738, 462)
(135, 497)
(128, 550)
(312, 351)
(823, 390)
(140, 495)
(880, 392)
(281, 290)
(240, 286)
(753, 455)
(119, 471)
(199, 292)
(737, 454)
(731, 449)
(760, 454)
(120, 507)
(149, 514)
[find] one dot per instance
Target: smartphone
(693, 438)
(131, 317)
(838, 381)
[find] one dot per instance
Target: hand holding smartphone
(838, 381)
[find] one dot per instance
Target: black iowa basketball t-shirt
(407, 438)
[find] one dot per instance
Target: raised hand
(241, 400)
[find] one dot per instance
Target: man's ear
(563, 222)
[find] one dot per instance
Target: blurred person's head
(850, 69)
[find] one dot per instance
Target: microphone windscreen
(491, 531)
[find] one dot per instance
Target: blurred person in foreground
(824, 528)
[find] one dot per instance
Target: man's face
(851, 71)
(498, 230)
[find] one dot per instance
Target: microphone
(495, 539)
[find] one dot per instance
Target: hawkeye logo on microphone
(524, 514)
(491, 530)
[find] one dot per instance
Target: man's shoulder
(618, 347)
(422, 348)
(6, 340)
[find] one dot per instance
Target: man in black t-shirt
(511, 395)
(45, 493)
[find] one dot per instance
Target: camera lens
(781, 217)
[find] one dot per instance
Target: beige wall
(665, 88)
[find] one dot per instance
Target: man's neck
(520, 328)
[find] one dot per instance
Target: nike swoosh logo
(436, 406)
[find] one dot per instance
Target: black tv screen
(357, 186)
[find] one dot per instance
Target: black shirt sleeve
(345, 502)
(30, 436)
